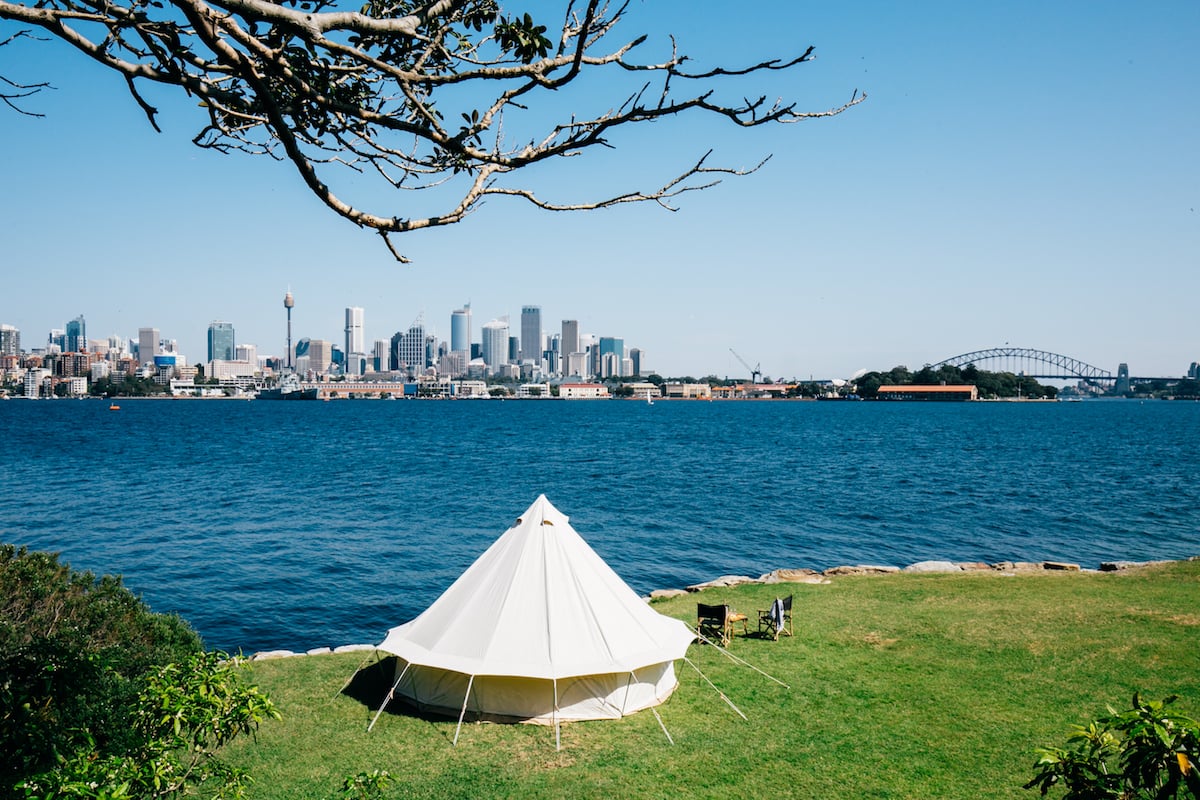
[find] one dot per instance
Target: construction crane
(755, 372)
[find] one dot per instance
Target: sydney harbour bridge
(1041, 364)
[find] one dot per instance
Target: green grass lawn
(913, 686)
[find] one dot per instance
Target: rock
(666, 594)
(1117, 566)
(973, 566)
(723, 582)
(793, 576)
(932, 566)
(353, 648)
(862, 569)
(1060, 565)
(269, 654)
(1026, 566)
(318, 651)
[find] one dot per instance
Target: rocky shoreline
(803, 575)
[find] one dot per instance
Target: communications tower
(289, 303)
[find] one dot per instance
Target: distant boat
(289, 388)
(649, 399)
(113, 407)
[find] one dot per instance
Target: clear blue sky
(1022, 173)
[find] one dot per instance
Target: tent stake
(557, 732)
(463, 713)
(388, 699)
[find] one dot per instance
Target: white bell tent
(539, 629)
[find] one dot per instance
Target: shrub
(1146, 752)
(75, 651)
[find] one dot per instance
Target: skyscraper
(221, 345)
(611, 355)
(410, 350)
(531, 334)
(570, 337)
(10, 341)
(460, 330)
(147, 345)
(494, 341)
(320, 355)
(76, 337)
(355, 339)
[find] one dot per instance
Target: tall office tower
(147, 345)
(635, 358)
(76, 336)
(381, 356)
(57, 340)
(531, 334)
(408, 349)
(320, 355)
(570, 337)
(10, 341)
(221, 346)
(289, 303)
(494, 341)
(460, 330)
(612, 353)
(247, 353)
(355, 339)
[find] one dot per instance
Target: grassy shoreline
(907, 685)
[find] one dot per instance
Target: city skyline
(1010, 179)
(13, 340)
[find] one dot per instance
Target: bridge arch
(1033, 363)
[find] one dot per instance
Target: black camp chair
(773, 623)
(713, 624)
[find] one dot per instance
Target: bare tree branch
(422, 94)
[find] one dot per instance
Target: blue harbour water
(297, 525)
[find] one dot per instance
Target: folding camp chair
(713, 623)
(777, 619)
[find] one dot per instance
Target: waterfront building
(531, 334)
(221, 345)
(77, 386)
(147, 345)
(921, 392)
(101, 370)
(35, 381)
(583, 391)
(494, 341)
(75, 339)
(460, 330)
(10, 341)
(529, 391)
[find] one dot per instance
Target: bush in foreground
(1146, 752)
(75, 652)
